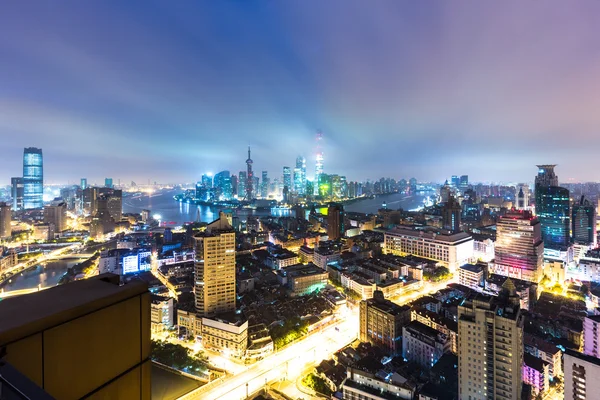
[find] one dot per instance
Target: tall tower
(215, 268)
(300, 175)
(335, 221)
(490, 346)
(584, 223)
(5, 217)
(451, 212)
(319, 162)
(249, 178)
(33, 178)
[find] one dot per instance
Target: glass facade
(33, 178)
(553, 210)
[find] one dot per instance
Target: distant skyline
(168, 91)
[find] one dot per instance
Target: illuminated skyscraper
(300, 176)
(546, 176)
(83, 184)
(522, 197)
(222, 185)
(215, 268)
(108, 182)
(242, 181)
(319, 163)
(584, 223)
(519, 247)
(264, 187)
(207, 180)
(287, 178)
(33, 178)
(553, 210)
(451, 212)
(249, 178)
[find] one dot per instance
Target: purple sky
(168, 90)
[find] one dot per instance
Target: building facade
(490, 346)
(5, 220)
(423, 345)
(519, 248)
(584, 223)
(581, 376)
(33, 178)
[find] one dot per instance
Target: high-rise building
(582, 376)
(114, 203)
(215, 268)
(56, 213)
(318, 164)
(108, 183)
(464, 181)
(102, 222)
(222, 185)
(519, 249)
(234, 185)
(584, 223)
(88, 339)
(264, 187)
(591, 335)
(553, 210)
(451, 212)
(545, 177)
(249, 178)
(17, 193)
(445, 192)
(522, 197)
(242, 182)
(83, 184)
(5, 218)
(490, 346)
(381, 322)
(33, 178)
(207, 180)
(287, 178)
(335, 221)
(455, 181)
(300, 176)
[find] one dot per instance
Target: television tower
(319, 162)
(249, 177)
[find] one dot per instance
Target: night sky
(168, 90)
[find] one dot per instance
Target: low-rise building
(161, 316)
(281, 258)
(260, 343)
(381, 322)
(536, 374)
(398, 287)
(362, 385)
(303, 279)
(8, 259)
(423, 345)
(438, 322)
(325, 255)
(471, 275)
(546, 351)
(359, 284)
(226, 334)
(306, 254)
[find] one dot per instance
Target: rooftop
(472, 268)
(431, 234)
(423, 329)
(581, 356)
(25, 315)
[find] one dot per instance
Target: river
(40, 275)
(177, 213)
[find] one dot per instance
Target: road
(285, 364)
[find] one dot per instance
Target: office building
(591, 336)
(545, 177)
(584, 223)
(241, 188)
(264, 187)
(250, 184)
(445, 192)
(33, 178)
(215, 268)
(451, 212)
(318, 165)
(108, 183)
(86, 339)
(519, 248)
(335, 221)
(423, 345)
(223, 186)
(5, 219)
(464, 182)
(300, 176)
(490, 346)
(287, 178)
(582, 376)
(227, 334)
(56, 213)
(114, 203)
(102, 222)
(450, 250)
(381, 322)
(303, 279)
(83, 184)
(553, 211)
(17, 192)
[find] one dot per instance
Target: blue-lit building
(33, 178)
(553, 211)
(300, 176)
(222, 185)
(584, 223)
(108, 182)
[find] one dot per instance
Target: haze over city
(401, 89)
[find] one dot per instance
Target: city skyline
(165, 93)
